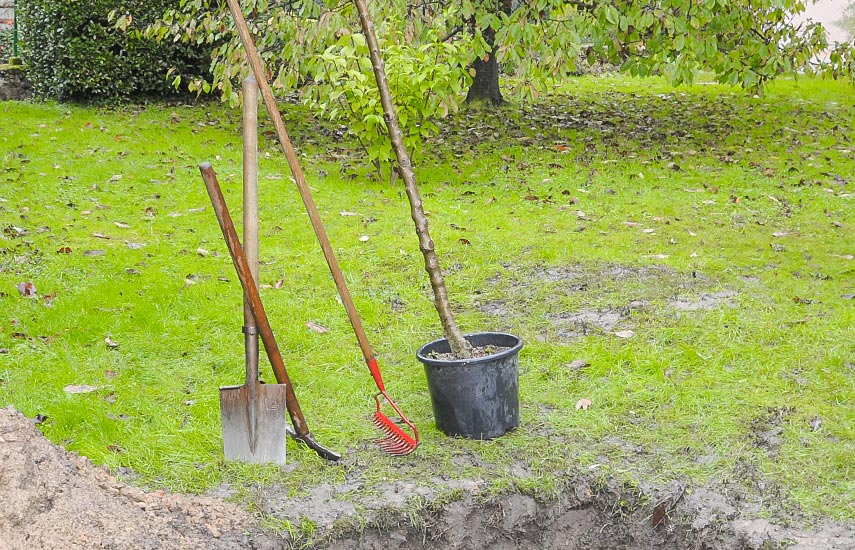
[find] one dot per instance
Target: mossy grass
(715, 226)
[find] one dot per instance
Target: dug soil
(56, 499)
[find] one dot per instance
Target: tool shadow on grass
(681, 265)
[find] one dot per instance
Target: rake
(395, 441)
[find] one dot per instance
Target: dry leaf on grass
(583, 404)
(624, 334)
(27, 290)
(110, 343)
(578, 364)
(82, 388)
(320, 329)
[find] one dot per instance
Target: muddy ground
(55, 499)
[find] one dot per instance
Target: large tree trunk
(485, 86)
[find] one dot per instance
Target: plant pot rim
(427, 360)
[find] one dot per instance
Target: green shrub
(73, 50)
(6, 47)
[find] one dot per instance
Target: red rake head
(396, 441)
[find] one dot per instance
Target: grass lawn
(693, 246)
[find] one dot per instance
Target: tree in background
(847, 22)
(436, 49)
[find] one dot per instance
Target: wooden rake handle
(300, 180)
(257, 308)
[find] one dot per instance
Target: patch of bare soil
(55, 499)
(583, 517)
(704, 302)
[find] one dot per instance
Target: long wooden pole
(459, 346)
(300, 180)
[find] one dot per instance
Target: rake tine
(394, 447)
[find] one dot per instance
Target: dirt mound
(56, 499)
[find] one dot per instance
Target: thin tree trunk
(459, 346)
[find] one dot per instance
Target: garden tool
(256, 308)
(254, 424)
(396, 440)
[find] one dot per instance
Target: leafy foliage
(430, 48)
(6, 46)
(847, 22)
(74, 52)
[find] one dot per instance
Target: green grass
(748, 196)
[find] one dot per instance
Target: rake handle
(257, 309)
(300, 180)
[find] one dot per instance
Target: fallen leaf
(27, 290)
(279, 284)
(531, 197)
(464, 241)
(800, 300)
(364, 238)
(122, 225)
(116, 177)
(134, 246)
(578, 364)
(320, 329)
(110, 373)
(624, 334)
(101, 236)
(110, 343)
(83, 388)
(202, 252)
(780, 234)
(113, 448)
(110, 398)
(631, 224)
(777, 247)
(583, 404)
(815, 423)
(659, 514)
(581, 215)
(848, 296)
(93, 252)
(346, 213)
(64, 250)
(150, 212)
(14, 231)
(4, 351)
(844, 256)
(131, 271)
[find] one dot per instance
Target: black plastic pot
(474, 398)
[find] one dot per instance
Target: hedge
(6, 46)
(73, 51)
